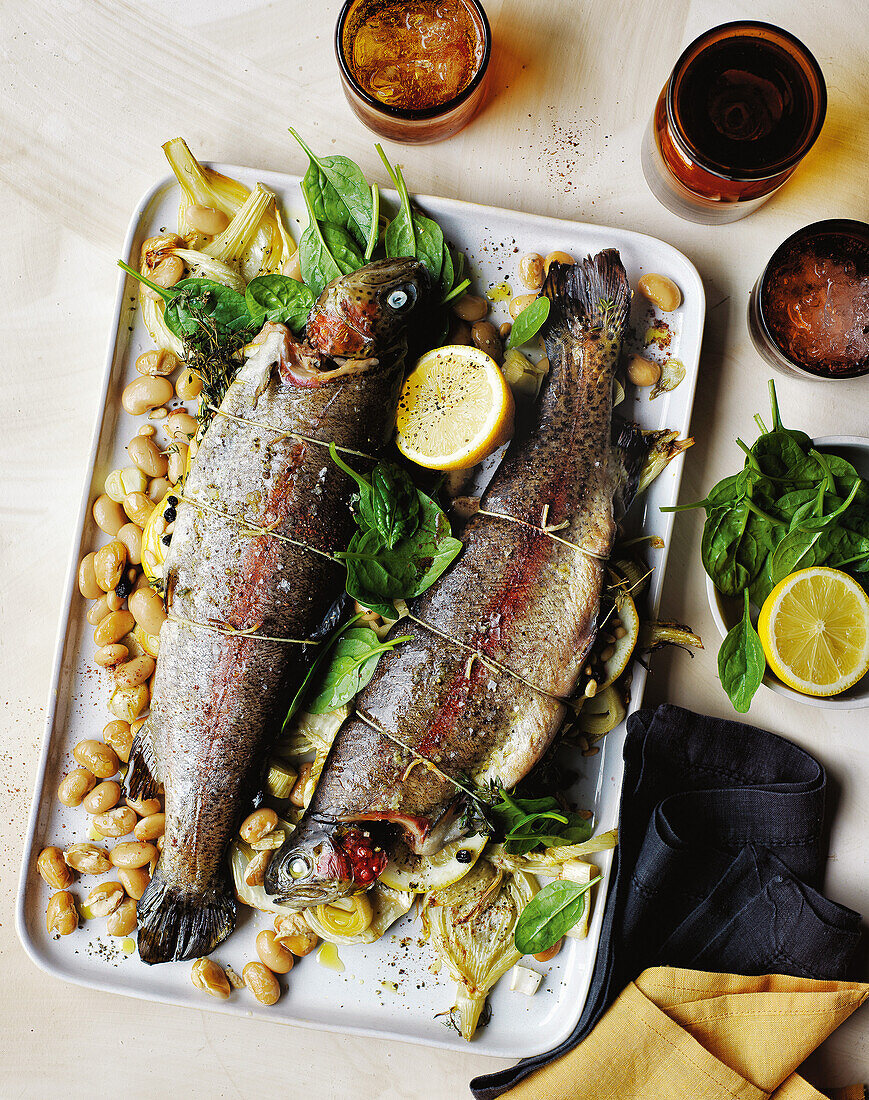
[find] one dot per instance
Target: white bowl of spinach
(797, 502)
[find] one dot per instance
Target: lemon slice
(153, 547)
(455, 409)
(421, 874)
(623, 648)
(814, 629)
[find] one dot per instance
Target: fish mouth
(326, 864)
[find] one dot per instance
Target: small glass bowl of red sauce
(808, 313)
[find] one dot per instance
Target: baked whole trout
(249, 574)
(524, 601)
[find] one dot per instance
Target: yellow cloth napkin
(688, 1035)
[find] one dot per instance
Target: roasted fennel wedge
(362, 918)
(471, 925)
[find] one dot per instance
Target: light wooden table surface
(90, 90)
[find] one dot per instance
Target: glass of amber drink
(809, 311)
(413, 70)
(744, 104)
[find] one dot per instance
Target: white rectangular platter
(387, 989)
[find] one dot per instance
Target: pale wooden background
(90, 90)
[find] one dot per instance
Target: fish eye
(401, 298)
(300, 867)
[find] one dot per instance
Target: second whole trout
(498, 644)
(250, 574)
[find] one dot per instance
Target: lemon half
(455, 409)
(814, 629)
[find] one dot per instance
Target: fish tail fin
(142, 781)
(175, 924)
(593, 294)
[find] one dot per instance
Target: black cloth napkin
(718, 866)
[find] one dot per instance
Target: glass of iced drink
(413, 71)
(809, 311)
(744, 104)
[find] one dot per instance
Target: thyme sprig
(215, 356)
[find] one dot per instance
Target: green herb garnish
(280, 299)
(351, 665)
(530, 823)
(339, 194)
(741, 662)
(551, 913)
(404, 542)
(529, 322)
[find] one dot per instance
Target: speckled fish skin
(218, 696)
(514, 595)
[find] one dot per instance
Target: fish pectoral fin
(271, 349)
(176, 924)
(143, 778)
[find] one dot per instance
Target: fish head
(367, 312)
(322, 864)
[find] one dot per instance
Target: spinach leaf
(343, 248)
(394, 503)
(339, 194)
(318, 265)
(797, 436)
(529, 322)
(400, 238)
(323, 652)
(728, 490)
(459, 284)
(791, 502)
(777, 453)
(279, 298)
(741, 662)
(456, 292)
(825, 519)
(388, 503)
(763, 583)
(191, 302)
(351, 665)
(371, 243)
(797, 550)
(429, 239)
(722, 535)
(551, 913)
(377, 575)
(846, 549)
(750, 554)
(530, 823)
(447, 271)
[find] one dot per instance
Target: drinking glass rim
(681, 138)
(825, 226)
(409, 114)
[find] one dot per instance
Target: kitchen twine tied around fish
(473, 654)
(282, 434)
(238, 632)
(245, 632)
(548, 529)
